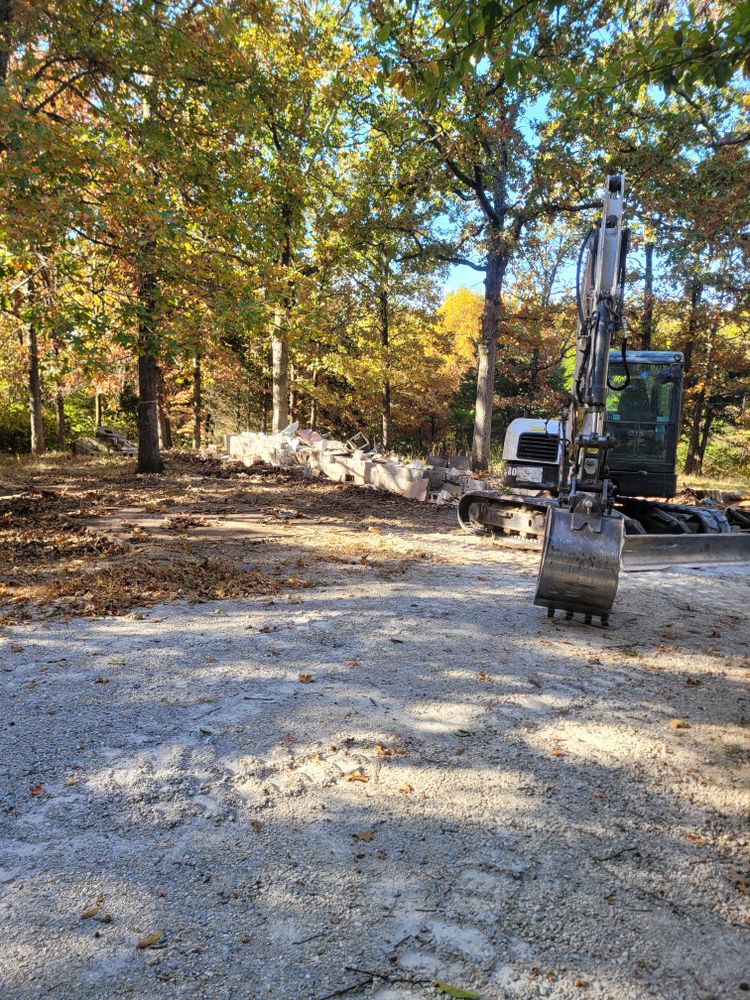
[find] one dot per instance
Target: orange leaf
(93, 910)
(150, 940)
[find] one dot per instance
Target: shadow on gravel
(462, 789)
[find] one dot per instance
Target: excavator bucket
(580, 566)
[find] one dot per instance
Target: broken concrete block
(89, 446)
(395, 478)
(347, 469)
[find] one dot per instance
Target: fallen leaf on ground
(534, 681)
(580, 982)
(37, 790)
(692, 681)
(357, 776)
(374, 531)
(365, 835)
(71, 781)
(93, 910)
(150, 940)
(461, 732)
(384, 751)
(695, 838)
(405, 787)
(557, 752)
(16, 649)
(101, 680)
(678, 724)
(352, 663)
(456, 992)
(256, 825)
(740, 880)
(305, 678)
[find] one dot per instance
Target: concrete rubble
(438, 480)
(106, 441)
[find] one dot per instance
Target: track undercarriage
(657, 535)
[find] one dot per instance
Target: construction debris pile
(106, 441)
(438, 480)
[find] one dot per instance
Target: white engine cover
(526, 425)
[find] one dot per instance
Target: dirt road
(398, 773)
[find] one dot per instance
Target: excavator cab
(643, 417)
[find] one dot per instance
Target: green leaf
(461, 732)
(456, 991)
(384, 33)
(511, 71)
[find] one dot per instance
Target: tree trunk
(386, 388)
(149, 457)
(59, 402)
(280, 335)
(280, 369)
(647, 320)
(266, 401)
(533, 380)
(693, 456)
(314, 401)
(35, 391)
(493, 290)
(165, 426)
(293, 394)
(197, 401)
(708, 420)
(60, 419)
(6, 17)
(99, 409)
(314, 394)
(696, 293)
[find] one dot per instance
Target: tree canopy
(233, 215)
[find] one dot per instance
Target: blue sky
(461, 276)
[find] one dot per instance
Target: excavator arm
(583, 541)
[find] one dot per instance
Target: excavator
(593, 487)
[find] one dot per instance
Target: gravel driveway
(384, 780)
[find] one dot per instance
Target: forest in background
(231, 215)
